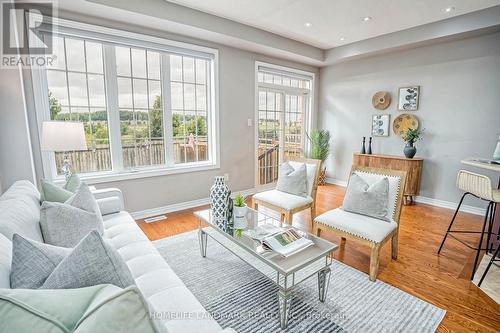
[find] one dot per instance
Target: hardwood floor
(441, 280)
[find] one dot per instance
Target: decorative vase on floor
(220, 203)
(410, 150)
(322, 177)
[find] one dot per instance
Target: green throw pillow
(53, 193)
(101, 308)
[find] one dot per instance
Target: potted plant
(239, 211)
(410, 137)
(320, 148)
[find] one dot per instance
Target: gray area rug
(239, 296)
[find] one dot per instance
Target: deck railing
(153, 153)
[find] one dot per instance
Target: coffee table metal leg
(284, 302)
(202, 236)
(323, 283)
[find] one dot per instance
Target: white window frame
(130, 39)
(308, 117)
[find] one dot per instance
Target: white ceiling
(332, 20)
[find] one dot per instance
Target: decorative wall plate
(381, 100)
(403, 122)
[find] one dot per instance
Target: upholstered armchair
(364, 229)
(288, 204)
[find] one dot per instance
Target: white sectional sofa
(170, 300)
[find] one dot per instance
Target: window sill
(107, 177)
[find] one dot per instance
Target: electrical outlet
(249, 122)
(226, 177)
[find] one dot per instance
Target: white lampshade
(63, 136)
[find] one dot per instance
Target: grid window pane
(141, 111)
(176, 68)
(58, 49)
(78, 89)
(138, 63)
(153, 65)
(94, 57)
(124, 92)
(75, 54)
(189, 106)
(122, 61)
(71, 88)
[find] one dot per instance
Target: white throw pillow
(292, 180)
(370, 200)
(65, 224)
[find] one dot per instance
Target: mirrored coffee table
(285, 273)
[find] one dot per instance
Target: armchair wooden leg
(313, 211)
(316, 230)
(289, 217)
(374, 261)
(255, 205)
(394, 246)
(342, 241)
(282, 217)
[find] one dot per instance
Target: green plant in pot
(411, 136)
(320, 149)
(239, 212)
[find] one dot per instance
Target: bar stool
(480, 187)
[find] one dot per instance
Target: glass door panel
(270, 135)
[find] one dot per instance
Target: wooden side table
(412, 166)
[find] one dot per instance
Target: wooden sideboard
(412, 166)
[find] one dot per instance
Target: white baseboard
(428, 201)
(182, 205)
(336, 182)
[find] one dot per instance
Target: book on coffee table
(286, 243)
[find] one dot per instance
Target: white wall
(15, 152)
(236, 105)
(459, 107)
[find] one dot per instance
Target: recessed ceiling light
(367, 18)
(449, 9)
(308, 24)
(342, 39)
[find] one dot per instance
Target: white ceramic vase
(240, 219)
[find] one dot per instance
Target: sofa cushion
(20, 211)
(93, 261)
(102, 308)
(363, 226)
(5, 261)
(54, 193)
(371, 200)
(293, 181)
(282, 199)
(33, 262)
(65, 224)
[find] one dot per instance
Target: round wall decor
(381, 100)
(403, 122)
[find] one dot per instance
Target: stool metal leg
(486, 219)
(452, 220)
(489, 265)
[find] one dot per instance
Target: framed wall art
(380, 124)
(408, 98)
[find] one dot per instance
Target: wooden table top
(394, 157)
(481, 163)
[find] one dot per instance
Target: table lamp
(63, 136)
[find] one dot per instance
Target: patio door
(280, 130)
